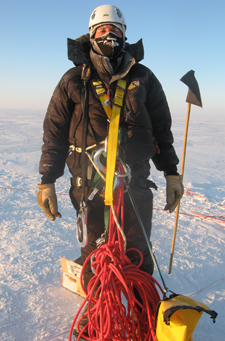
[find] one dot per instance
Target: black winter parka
(145, 117)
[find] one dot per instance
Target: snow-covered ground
(33, 304)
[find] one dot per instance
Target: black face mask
(110, 45)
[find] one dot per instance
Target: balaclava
(109, 45)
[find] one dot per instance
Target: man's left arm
(166, 159)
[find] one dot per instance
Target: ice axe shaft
(193, 97)
(181, 173)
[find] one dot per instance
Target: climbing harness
(114, 116)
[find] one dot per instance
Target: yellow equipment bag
(178, 316)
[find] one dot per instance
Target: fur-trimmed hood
(79, 50)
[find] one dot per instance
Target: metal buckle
(79, 181)
(100, 240)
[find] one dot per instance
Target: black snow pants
(143, 198)
(133, 232)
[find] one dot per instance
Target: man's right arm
(56, 134)
(55, 148)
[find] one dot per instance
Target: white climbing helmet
(107, 14)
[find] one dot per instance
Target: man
(76, 119)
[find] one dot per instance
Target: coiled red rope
(114, 313)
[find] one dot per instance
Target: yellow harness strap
(113, 140)
(112, 145)
(101, 92)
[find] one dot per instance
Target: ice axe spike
(193, 97)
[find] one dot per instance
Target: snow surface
(34, 306)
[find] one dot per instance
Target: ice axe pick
(193, 97)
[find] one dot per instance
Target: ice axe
(193, 97)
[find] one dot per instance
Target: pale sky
(178, 36)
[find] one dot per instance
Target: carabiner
(81, 225)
